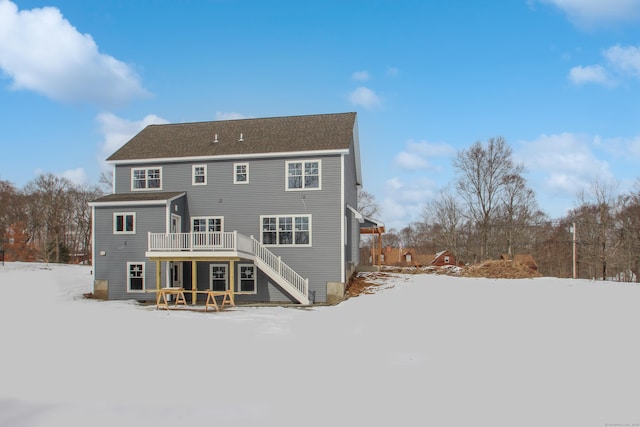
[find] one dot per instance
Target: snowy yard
(425, 350)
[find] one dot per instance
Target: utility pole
(573, 230)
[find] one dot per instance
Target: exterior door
(176, 274)
(176, 266)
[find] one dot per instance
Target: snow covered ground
(425, 350)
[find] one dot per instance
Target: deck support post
(232, 280)
(158, 274)
(194, 282)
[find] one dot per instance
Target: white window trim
(124, 215)
(207, 218)
(193, 175)
(144, 282)
(255, 279)
(293, 218)
(226, 275)
(286, 175)
(146, 172)
(235, 173)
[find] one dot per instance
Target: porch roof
(155, 197)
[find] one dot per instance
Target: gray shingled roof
(265, 135)
(139, 197)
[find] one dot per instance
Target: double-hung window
(135, 277)
(199, 175)
(146, 178)
(303, 175)
(247, 282)
(241, 173)
(219, 278)
(124, 223)
(286, 230)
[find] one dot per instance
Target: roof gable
(322, 132)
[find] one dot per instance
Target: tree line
(488, 211)
(49, 220)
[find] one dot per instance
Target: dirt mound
(500, 270)
(364, 284)
(368, 283)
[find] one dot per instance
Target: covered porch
(172, 251)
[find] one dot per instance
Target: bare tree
(105, 181)
(367, 204)
(445, 216)
(48, 203)
(482, 172)
(596, 211)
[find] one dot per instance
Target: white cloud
(564, 162)
(41, 51)
(622, 62)
(362, 76)
(365, 97)
(78, 176)
(416, 155)
(230, 116)
(404, 200)
(117, 131)
(625, 59)
(406, 160)
(594, 13)
(590, 74)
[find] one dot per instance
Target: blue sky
(559, 79)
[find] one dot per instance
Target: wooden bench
(163, 302)
(211, 299)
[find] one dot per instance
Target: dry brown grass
(500, 270)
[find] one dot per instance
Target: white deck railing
(283, 270)
(196, 241)
(230, 241)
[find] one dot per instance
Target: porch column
(194, 282)
(232, 280)
(158, 274)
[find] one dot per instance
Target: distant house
(409, 257)
(444, 257)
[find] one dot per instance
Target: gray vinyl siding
(119, 249)
(242, 205)
(351, 198)
(267, 291)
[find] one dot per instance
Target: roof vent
(241, 138)
(215, 138)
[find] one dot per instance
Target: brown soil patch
(361, 284)
(367, 283)
(500, 270)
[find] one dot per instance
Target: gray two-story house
(263, 207)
